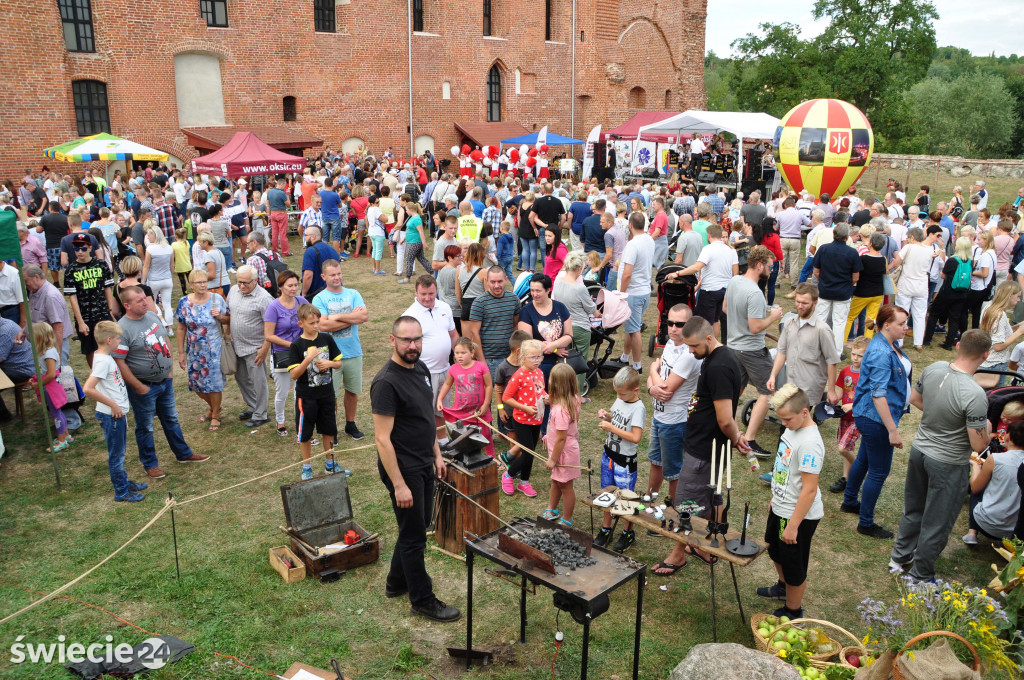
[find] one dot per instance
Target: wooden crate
(293, 575)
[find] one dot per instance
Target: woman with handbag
(470, 277)
(201, 342)
(570, 291)
(281, 328)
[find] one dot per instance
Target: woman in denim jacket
(878, 404)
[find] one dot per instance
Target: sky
(990, 26)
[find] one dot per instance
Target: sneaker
(232, 270)
(527, 489)
(254, 423)
(839, 486)
(313, 441)
(245, 415)
(439, 611)
(129, 496)
(760, 451)
(626, 539)
(602, 538)
(766, 478)
(773, 592)
(156, 473)
(195, 458)
(505, 459)
(875, 531)
(352, 431)
(282, 431)
(135, 486)
(851, 509)
(508, 485)
(897, 568)
(971, 539)
(791, 613)
(331, 466)
(307, 472)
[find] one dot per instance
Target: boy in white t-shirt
(796, 507)
(106, 386)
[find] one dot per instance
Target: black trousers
(408, 569)
(527, 435)
(951, 307)
(975, 298)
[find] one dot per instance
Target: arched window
(668, 99)
(494, 94)
(91, 110)
(352, 145)
(290, 110)
(637, 98)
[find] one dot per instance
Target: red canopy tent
(630, 129)
(246, 154)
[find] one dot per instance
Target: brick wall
(354, 82)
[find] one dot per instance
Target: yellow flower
(782, 653)
(1009, 546)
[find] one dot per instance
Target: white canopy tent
(743, 125)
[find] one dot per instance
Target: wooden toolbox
(319, 512)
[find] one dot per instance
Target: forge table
(696, 539)
(581, 587)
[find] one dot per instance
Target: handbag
(280, 360)
(888, 287)
(228, 358)
(56, 393)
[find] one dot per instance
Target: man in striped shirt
(257, 245)
(492, 215)
(163, 212)
(311, 216)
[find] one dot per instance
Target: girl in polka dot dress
(525, 394)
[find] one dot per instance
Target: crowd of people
(860, 273)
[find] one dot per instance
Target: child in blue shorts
(625, 426)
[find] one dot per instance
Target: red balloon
(544, 148)
(513, 155)
(531, 161)
(532, 153)
(465, 149)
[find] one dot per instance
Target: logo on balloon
(823, 146)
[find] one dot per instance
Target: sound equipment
(651, 173)
(706, 176)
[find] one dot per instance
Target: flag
(542, 137)
(10, 246)
(588, 151)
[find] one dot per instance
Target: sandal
(690, 551)
(672, 568)
(282, 430)
(57, 447)
(214, 428)
(550, 514)
(206, 418)
(565, 522)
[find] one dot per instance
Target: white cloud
(995, 27)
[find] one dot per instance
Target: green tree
(972, 116)
(717, 89)
(870, 52)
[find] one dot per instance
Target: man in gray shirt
(145, 361)
(248, 302)
(954, 424)
(750, 318)
(754, 212)
(689, 243)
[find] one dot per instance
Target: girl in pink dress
(472, 391)
(563, 441)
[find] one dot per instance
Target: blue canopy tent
(552, 140)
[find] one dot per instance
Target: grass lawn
(229, 600)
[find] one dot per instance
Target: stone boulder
(730, 660)
(960, 171)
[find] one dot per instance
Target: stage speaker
(706, 177)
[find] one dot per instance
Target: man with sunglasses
(408, 458)
(89, 283)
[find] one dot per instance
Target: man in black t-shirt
(89, 284)
(408, 456)
(55, 227)
(711, 422)
(548, 213)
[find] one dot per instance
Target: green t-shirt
(701, 227)
(412, 232)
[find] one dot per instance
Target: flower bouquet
(926, 607)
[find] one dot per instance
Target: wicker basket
(897, 674)
(765, 644)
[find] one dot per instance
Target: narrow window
(494, 94)
(323, 16)
(547, 19)
(417, 15)
(91, 110)
(487, 17)
(215, 12)
(76, 16)
(290, 112)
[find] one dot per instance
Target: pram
(998, 398)
(614, 312)
(672, 292)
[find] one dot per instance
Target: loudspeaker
(649, 172)
(706, 177)
(751, 185)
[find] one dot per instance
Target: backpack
(962, 276)
(274, 269)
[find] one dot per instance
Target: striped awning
(103, 147)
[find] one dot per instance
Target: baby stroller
(998, 398)
(614, 312)
(670, 293)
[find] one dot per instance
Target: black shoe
(839, 487)
(760, 451)
(256, 423)
(439, 611)
(352, 431)
(852, 509)
(626, 539)
(602, 538)
(773, 592)
(245, 415)
(398, 592)
(946, 346)
(875, 531)
(792, 614)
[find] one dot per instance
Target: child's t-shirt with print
(111, 384)
(625, 415)
(468, 388)
(846, 381)
(525, 387)
(314, 383)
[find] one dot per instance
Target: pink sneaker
(527, 489)
(508, 485)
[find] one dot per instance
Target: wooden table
(696, 539)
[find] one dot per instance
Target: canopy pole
(739, 177)
(412, 139)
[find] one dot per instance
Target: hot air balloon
(823, 146)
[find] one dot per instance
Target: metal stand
(741, 546)
(719, 527)
(174, 533)
(714, 603)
